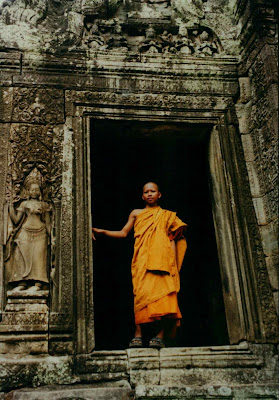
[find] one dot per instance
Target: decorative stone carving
(207, 47)
(92, 38)
(105, 25)
(24, 324)
(183, 44)
(32, 12)
(152, 19)
(41, 106)
(117, 42)
(27, 238)
(34, 146)
(150, 45)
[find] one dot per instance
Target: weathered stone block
(23, 344)
(248, 148)
(208, 366)
(260, 210)
(265, 143)
(17, 370)
(243, 112)
(271, 204)
(253, 179)
(10, 64)
(245, 90)
(102, 365)
(144, 366)
(6, 101)
(272, 263)
(276, 301)
(269, 234)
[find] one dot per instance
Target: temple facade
(97, 96)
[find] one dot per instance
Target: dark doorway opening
(125, 155)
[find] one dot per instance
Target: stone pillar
(257, 109)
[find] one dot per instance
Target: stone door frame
(249, 309)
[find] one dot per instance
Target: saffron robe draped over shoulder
(155, 269)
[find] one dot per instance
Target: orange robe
(155, 269)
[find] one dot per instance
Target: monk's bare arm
(118, 234)
(173, 246)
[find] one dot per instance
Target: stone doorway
(124, 155)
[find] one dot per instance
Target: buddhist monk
(158, 254)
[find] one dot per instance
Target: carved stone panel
(38, 106)
(34, 146)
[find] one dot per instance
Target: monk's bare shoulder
(136, 212)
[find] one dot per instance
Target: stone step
(71, 393)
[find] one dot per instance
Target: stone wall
(258, 115)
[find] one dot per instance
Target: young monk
(158, 254)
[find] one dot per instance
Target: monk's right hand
(98, 231)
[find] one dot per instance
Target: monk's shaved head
(152, 183)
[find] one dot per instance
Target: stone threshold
(234, 364)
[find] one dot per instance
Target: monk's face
(151, 194)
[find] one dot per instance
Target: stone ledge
(122, 391)
(80, 393)
(249, 392)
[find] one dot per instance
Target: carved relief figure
(207, 46)
(27, 245)
(150, 45)
(167, 42)
(184, 44)
(117, 41)
(92, 38)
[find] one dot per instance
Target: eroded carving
(39, 106)
(117, 41)
(207, 46)
(111, 25)
(31, 12)
(150, 27)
